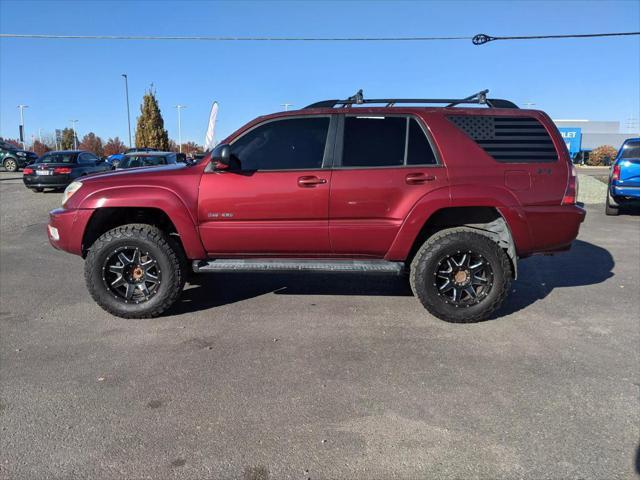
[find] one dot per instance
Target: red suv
(452, 195)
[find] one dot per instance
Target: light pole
(126, 89)
(180, 107)
(286, 106)
(22, 107)
(75, 137)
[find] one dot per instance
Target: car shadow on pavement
(584, 264)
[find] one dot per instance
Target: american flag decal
(509, 139)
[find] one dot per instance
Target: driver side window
(288, 144)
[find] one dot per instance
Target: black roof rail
(479, 98)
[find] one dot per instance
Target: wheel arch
(155, 206)
(485, 220)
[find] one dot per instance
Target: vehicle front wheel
(611, 208)
(39, 190)
(133, 271)
(460, 276)
(10, 165)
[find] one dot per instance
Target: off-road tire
(449, 241)
(11, 165)
(610, 207)
(159, 246)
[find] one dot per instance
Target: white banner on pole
(210, 138)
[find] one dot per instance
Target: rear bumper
(66, 229)
(46, 181)
(553, 229)
(625, 191)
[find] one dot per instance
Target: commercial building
(585, 135)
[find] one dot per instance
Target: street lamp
(75, 137)
(22, 107)
(180, 107)
(126, 89)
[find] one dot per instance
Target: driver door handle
(310, 181)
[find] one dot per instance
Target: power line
(483, 38)
(230, 39)
(479, 39)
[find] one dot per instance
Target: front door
(274, 198)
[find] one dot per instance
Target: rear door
(275, 197)
(385, 165)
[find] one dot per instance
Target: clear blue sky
(80, 79)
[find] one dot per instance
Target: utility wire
(479, 39)
(482, 38)
(232, 39)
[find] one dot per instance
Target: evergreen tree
(66, 141)
(150, 130)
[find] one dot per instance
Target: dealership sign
(572, 138)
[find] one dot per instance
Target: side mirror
(221, 156)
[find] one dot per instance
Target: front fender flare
(151, 197)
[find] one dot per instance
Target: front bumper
(66, 229)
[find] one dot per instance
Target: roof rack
(479, 98)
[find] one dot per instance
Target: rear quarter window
(509, 139)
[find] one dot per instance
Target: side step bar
(298, 265)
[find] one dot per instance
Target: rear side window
(289, 144)
(374, 141)
(419, 150)
(385, 142)
(509, 139)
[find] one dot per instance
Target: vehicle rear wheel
(39, 190)
(611, 208)
(10, 165)
(133, 271)
(460, 275)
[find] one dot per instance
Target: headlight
(72, 188)
(21, 154)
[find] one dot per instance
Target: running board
(298, 265)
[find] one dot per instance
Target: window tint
(284, 144)
(58, 158)
(374, 141)
(419, 152)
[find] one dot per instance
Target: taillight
(27, 171)
(571, 193)
(61, 170)
(615, 175)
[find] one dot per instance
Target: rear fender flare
(461, 196)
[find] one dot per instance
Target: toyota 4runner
(452, 195)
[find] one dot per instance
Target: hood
(134, 173)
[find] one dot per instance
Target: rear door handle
(310, 181)
(419, 178)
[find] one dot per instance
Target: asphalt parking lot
(318, 376)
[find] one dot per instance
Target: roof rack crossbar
(479, 98)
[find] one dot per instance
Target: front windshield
(132, 161)
(631, 150)
(58, 158)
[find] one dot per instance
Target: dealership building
(581, 135)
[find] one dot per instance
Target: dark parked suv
(13, 158)
(58, 169)
(452, 195)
